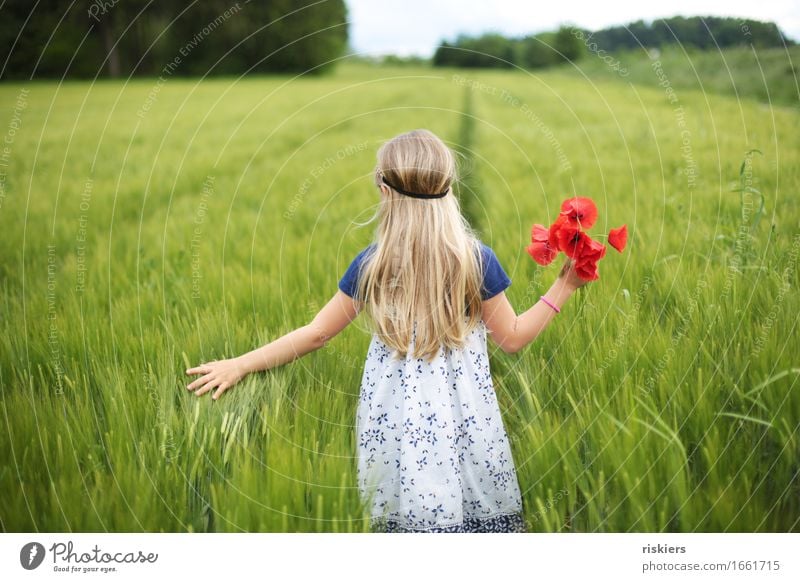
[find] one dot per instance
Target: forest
(493, 50)
(112, 38)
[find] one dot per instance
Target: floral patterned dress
(433, 454)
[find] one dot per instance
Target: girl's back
(433, 454)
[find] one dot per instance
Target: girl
(433, 453)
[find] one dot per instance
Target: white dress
(433, 453)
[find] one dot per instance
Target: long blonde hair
(421, 280)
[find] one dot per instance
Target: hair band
(414, 194)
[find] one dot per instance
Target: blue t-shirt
(495, 278)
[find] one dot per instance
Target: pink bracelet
(556, 309)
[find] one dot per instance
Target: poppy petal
(587, 270)
(561, 223)
(618, 237)
(539, 233)
(592, 250)
(541, 252)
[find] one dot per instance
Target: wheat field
(149, 225)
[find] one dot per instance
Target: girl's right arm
(513, 332)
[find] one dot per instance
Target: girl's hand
(570, 277)
(220, 374)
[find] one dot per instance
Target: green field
(768, 75)
(147, 226)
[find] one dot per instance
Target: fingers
(204, 368)
(201, 369)
(212, 378)
(199, 381)
(209, 385)
(224, 386)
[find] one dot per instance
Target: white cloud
(417, 26)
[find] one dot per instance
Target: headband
(414, 194)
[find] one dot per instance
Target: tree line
(121, 38)
(570, 43)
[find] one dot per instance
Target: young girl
(433, 453)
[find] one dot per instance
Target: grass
(663, 398)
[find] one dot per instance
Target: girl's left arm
(223, 374)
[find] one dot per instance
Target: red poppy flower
(541, 253)
(571, 242)
(562, 223)
(591, 251)
(586, 262)
(618, 237)
(567, 234)
(581, 212)
(540, 249)
(587, 270)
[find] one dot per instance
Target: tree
(84, 38)
(491, 50)
(566, 44)
(536, 51)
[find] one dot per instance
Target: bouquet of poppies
(568, 235)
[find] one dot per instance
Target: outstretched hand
(219, 374)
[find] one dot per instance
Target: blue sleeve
(349, 281)
(495, 279)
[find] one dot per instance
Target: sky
(416, 27)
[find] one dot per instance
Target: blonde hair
(421, 280)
